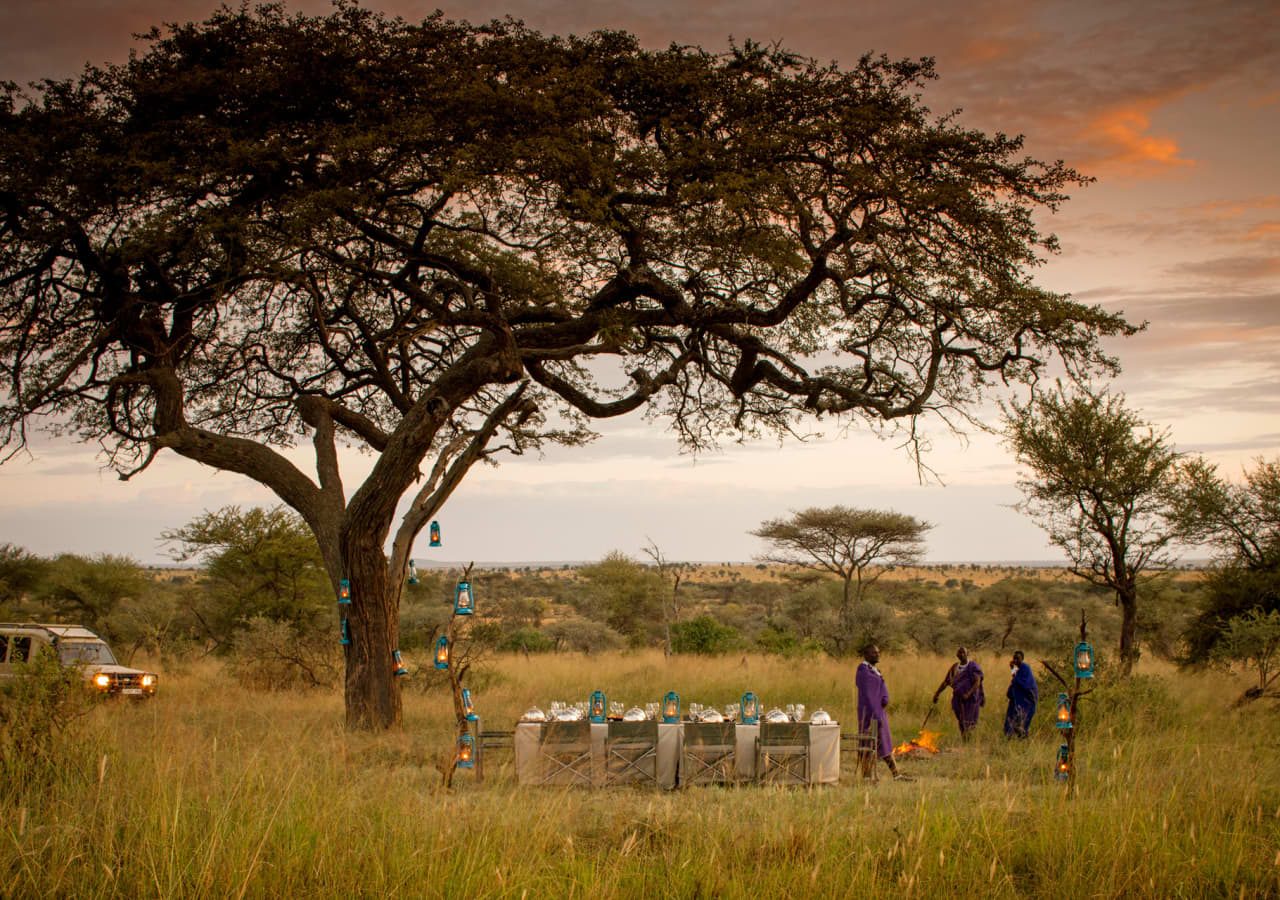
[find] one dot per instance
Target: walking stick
(928, 716)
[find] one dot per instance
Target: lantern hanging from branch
(466, 751)
(400, 668)
(1084, 660)
(671, 707)
(344, 592)
(1062, 768)
(413, 573)
(1063, 717)
(598, 708)
(442, 652)
(749, 709)
(463, 601)
(345, 637)
(435, 534)
(468, 707)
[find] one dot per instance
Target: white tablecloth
(824, 753)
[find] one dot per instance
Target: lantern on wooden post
(435, 534)
(442, 652)
(1084, 660)
(597, 708)
(468, 707)
(466, 751)
(749, 709)
(671, 707)
(1063, 717)
(463, 600)
(344, 592)
(400, 668)
(1062, 768)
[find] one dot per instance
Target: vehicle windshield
(94, 653)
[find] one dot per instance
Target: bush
(39, 708)
(527, 640)
(280, 656)
(703, 635)
(785, 642)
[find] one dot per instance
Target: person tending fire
(873, 703)
(967, 698)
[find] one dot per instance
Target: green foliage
(257, 564)
(93, 590)
(625, 594)
(782, 641)
(527, 640)
(40, 708)
(703, 635)
(1253, 639)
(275, 655)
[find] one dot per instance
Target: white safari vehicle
(74, 646)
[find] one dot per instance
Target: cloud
(1121, 136)
(1232, 268)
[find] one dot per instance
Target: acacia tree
(846, 542)
(1099, 481)
(439, 242)
(1241, 523)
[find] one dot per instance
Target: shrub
(703, 635)
(39, 708)
(527, 640)
(281, 656)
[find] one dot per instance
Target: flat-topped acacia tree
(439, 242)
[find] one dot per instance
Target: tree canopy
(439, 241)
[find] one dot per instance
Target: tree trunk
(1128, 596)
(371, 691)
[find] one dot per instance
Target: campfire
(925, 742)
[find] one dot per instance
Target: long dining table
(824, 753)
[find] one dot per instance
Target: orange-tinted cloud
(1121, 134)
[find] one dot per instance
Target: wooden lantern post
(1074, 694)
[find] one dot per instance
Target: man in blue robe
(967, 697)
(873, 703)
(1023, 694)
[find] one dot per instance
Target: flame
(925, 742)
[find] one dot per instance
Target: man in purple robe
(965, 680)
(873, 703)
(1022, 695)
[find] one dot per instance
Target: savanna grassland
(211, 790)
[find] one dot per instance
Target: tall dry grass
(211, 791)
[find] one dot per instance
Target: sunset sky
(1174, 107)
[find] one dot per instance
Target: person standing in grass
(1023, 694)
(967, 698)
(873, 704)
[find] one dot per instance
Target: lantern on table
(1063, 717)
(345, 637)
(435, 534)
(442, 652)
(468, 708)
(671, 707)
(413, 573)
(598, 707)
(463, 602)
(466, 751)
(1062, 768)
(400, 668)
(344, 592)
(1084, 660)
(749, 709)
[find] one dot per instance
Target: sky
(1174, 109)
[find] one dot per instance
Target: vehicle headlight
(102, 680)
(148, 681)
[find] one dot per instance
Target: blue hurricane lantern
(749, 709)
(466, 751)
(597, 707)
(463, 600)
(344, 591)
(345, 634)
(435, 534)
(1084, 660)
(1062, 768)
(671, 707)
(442, 652)
(413, 573)
(400, 668)
(468, 707)
(1063, 717)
